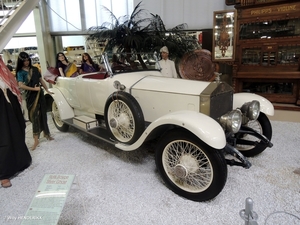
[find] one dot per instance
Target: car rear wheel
(189, 167)
(124, 118)
(61, 126)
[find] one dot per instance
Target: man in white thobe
(167, 66)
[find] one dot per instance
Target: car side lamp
(251, 109)
(119, 86)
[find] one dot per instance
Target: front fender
(265, 105)
(204, 127)
(65, 110)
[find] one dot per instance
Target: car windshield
(120, 62)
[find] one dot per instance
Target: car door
(67, 86)
(92, 94)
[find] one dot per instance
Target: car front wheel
(189, 167)
(250, 145)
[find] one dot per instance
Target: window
(251, 56)
(288, 55)
(76, 15)
(270, 29)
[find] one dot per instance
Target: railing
(7, 7)
(13, 18)
(8, 4)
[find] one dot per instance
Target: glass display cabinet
(223, 35)
(267, 50)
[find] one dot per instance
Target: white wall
(198, 14)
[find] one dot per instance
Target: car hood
(170, 85)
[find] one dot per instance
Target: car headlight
(251, 109)
(232, 121)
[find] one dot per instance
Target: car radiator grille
(220, 104)
(216, 100)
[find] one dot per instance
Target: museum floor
(116, 187)
(286, 115)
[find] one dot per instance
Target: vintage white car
(195, 124)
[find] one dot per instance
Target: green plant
(142, 32)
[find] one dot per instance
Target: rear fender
(65, 110)
(204, 127)
(265, 105)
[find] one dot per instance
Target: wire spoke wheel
(255, 125)
(124, 118)
(254, 145)
(121, 120)
(189, 167)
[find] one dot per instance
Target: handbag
(51, 75)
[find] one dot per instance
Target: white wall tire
(61, 126)
(124, 118)
(189, 167)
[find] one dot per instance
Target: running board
(91, 127)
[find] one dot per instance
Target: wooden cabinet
(267, 49)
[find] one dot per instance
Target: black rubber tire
(263, 126)
(61, 126)
(127, 117)
(200, 163)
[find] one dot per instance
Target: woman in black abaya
(14, 154)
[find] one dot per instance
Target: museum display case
(267, 50)
(223, 35)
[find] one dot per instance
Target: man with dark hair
(9, 66)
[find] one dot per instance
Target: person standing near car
(166, 65)
(14, 154)
(9, 66)
(30, 80)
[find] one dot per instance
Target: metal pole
(248, 214)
